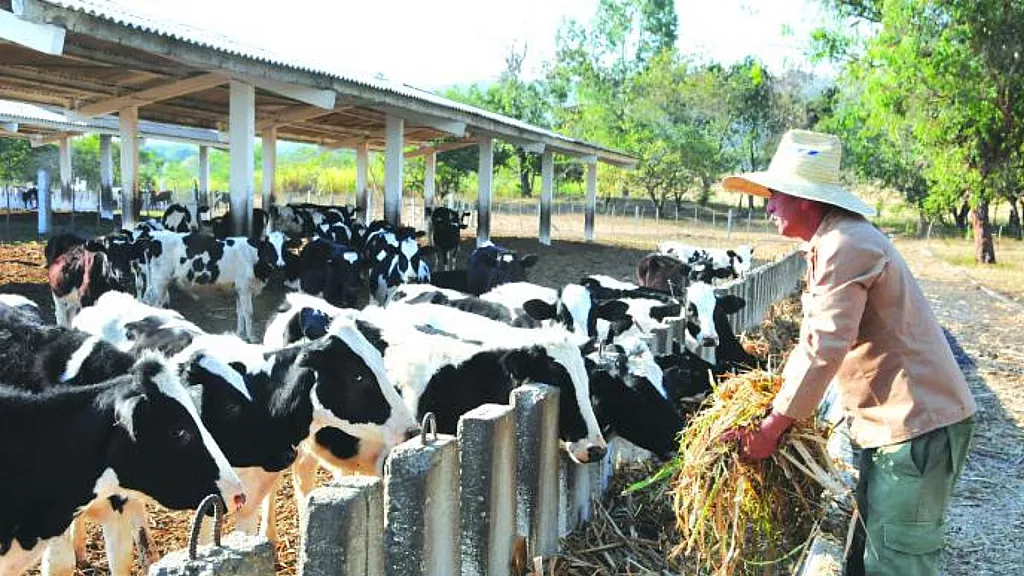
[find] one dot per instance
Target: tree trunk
(960, 216)
(922, 223)
(1013, 226)
(525, 181)
(984, 250)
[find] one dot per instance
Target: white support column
(588, 218)
(485, 174)
(106, 206)
(66, 193)
(242, 130)
(204, 177)
(393, 144)
(43, 210)
(547, 186)
(269, 165)
(363, 197)
(129, 124)
(429, 176)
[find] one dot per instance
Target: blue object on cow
(314, 323)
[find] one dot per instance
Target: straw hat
(805, 165)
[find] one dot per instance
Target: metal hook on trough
(429, 420)
(197, 522)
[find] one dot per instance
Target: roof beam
(454, 127)
(291, 115)
(150, 95)
(45, 38)
(9, 127)
(37, 140)
(424, 150)
(305, 94)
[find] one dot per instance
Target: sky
(432, 44)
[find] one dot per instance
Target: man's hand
(759, 444)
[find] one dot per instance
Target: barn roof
(109, 52)
(39, 124)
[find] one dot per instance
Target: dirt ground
(987, 514)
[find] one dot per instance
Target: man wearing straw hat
(868, 328)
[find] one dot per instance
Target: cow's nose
(595, 453)
(412, 432)
(239, 501)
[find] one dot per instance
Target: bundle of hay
(775, 337)
(736, 516)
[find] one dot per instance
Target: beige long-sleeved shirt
(868, 325)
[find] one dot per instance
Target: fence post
(694, 214)
(240, 554)
(421, 534)
(487, 488)
(342, 531)
(728, 229)
(536, 409)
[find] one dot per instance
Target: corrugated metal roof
(115, 13)
(54, 120)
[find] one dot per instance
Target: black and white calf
(133, 434)
(395, 258)
(490, 265)
(198, 259)
(132, 326)
(446, 226)
(714, 262)
(331, 271)
(177, 218)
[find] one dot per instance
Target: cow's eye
(180, 436)
(357, 377)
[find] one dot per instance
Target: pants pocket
(914, 538)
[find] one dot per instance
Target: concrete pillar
(106, 206)
(547, 186)
(342, 532)
(204, 176)
(536, 409)
(239, 555)
(44, 212)
(488, 521)
(574, 493)
(429, 178)
(421, 492)
(588, 218)
(66, 193)
(130, 204)
(241, 132)
(363, 197)
(269, 166)
(485, 174)
(394, 142)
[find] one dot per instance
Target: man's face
(789, 214)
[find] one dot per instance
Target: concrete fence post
(487, 454)
(239, 555)
(421, 485)
(536, 413)
(342, 533)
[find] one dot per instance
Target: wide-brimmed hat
(805, 165)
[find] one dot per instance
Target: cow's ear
(528, 261)
(427, 211)
(661, 312)
(420, 233)
(313, 323)
(539, 309)
(427, 250)
(731, 303)
(612, 310)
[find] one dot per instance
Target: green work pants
(903, 493)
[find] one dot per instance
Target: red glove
(759, 444)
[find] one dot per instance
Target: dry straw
(739, 517)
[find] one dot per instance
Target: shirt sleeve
(843, 268)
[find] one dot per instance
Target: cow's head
(344, 284)
(663, 272)
(353, 394)
(162, 448)
(490, 265)
(703, 303)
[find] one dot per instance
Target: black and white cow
(26, 310)
(394, 257)
(665, 273)
(177, 218)
(220, 226)
(30, 197)
(77, 277)
(446, 226)
(198, 259)
(137, 433)
(331, 271)
(715, 262)
(490, 265)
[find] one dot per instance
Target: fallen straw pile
(738, 517)
(776, 336)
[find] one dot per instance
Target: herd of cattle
(125, 400)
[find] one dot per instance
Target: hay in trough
(775, 337)
(739, 517)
